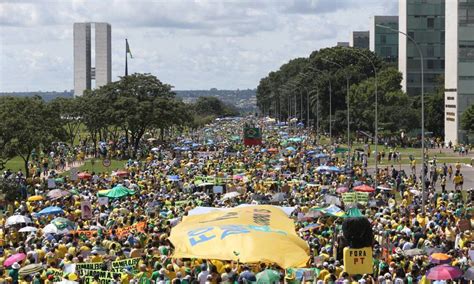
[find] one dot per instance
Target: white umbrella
(52, 229)
(17, 219)
(28, 229)
(230, 195)
(155, 149)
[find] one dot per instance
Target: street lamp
(422, 113)
(348, 117)
(376, 139)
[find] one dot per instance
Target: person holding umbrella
(13, 273)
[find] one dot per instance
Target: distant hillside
(244, 100)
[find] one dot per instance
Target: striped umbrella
(31, 269)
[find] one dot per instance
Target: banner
(120, 232)
(120, 265)
(252, 136)
(250, 234)
(87, 271)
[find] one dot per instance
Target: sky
(224, 44)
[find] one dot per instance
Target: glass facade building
(384, 42)
(424, 21)
(360, 39)
(459, 77)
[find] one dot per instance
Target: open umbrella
(354, 212)
(35, 198)
(444, 272)
(230, 195)
(52, 229)
(290, 149)
(309, 227)
(63, 223)
(84, 175)
(440, 258)
(173, 178)
(27, 229)
(17, 219)
(342, 189)
(469, 274)
(268, 276)
(14, 258)
(51, 210)
(31, 269)
(118, 191)
(413, 252)
(57, 193)
(364, 188)
(321, 156)
(122, 173)
(273, 150)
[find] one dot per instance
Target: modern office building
(384, 42)
(423, 20)
(360, 39)
(459, 75)
(84, 72)
(343, 43)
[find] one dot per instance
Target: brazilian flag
(252, 136)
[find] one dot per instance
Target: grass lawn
(15, 164)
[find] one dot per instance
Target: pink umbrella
(237, 177)
(122, 173)
(14, 258)
(444, 272)
(342, 189)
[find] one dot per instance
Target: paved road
(466, 170)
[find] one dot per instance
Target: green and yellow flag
(128, 49)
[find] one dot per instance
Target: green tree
(7, 130)
(70, 113)
(434, 109)
(467, 119)
(36, 126)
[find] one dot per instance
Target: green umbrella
(268, 276)
(354, 212)
(59, 180)
(118, 191)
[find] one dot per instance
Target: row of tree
(128, 108)
(286, 93)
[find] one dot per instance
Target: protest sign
(86, 210)
(358, 261)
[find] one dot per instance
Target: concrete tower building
(459, 76)
(84, 72)
(422, 20)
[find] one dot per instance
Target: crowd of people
(68, 232)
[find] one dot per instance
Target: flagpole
(126, 58)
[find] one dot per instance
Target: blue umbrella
(184, 148)
(194, 145)
(310, 152)
(321, 155)
(50, 211)
(173, 178)
(263, 150)
(177, 148)
(322, 169)
(188, 142)
(292, 149)
(334, 169)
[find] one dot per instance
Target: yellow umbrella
(35, 198)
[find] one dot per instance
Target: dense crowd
(48, 236)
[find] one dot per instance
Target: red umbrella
(364, 188)
(273, 150)
(444, 272)
(121, 173)
(84, 175)
(14, 258)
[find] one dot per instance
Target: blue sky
(188, 44)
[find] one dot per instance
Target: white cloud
(189, 44)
